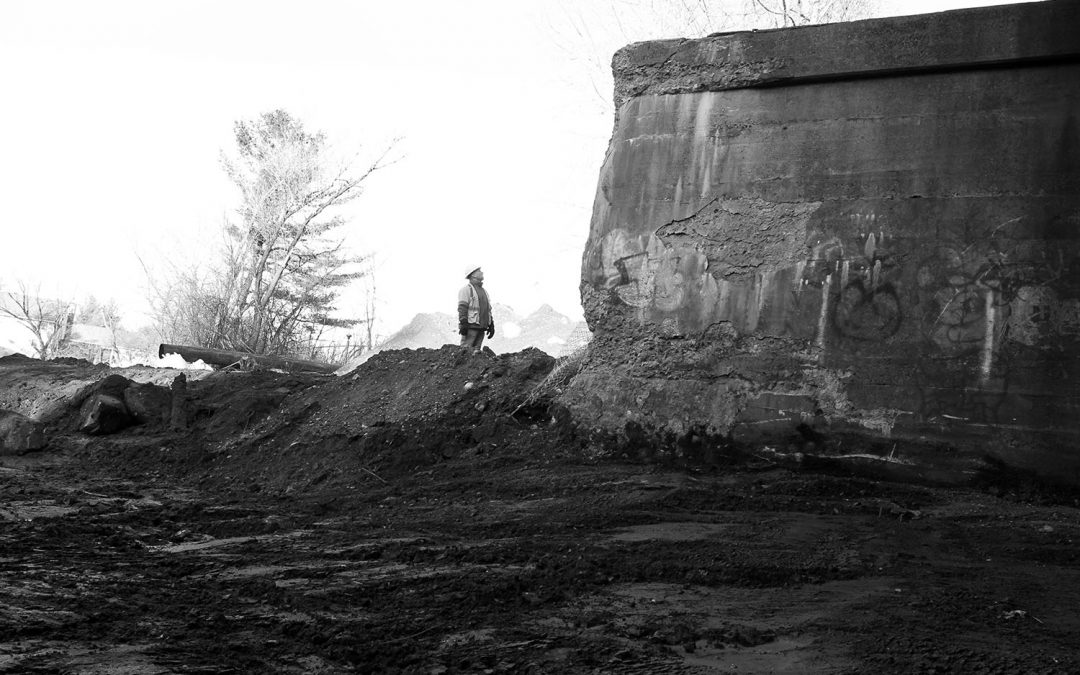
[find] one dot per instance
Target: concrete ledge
(1035, 32)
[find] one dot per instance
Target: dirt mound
(48, 391)
(400, 410)
(423, 383)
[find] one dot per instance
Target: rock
(178, 405)
(148, 403)
(113, 385)
(19, 434)
(103, 414)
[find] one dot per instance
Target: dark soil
(414, 516)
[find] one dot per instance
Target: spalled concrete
(959, 40)
(864, 230)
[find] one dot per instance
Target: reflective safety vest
(468, 296)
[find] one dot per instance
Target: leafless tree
(48, 320)
(184, 302)
(369, 312)
(589, 33)
(790, 13)
(104, 314)
(282, 265)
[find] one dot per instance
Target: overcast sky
(114, 115)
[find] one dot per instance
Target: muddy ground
(416, 517)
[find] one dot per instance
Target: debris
(148, 403)
(178, 409)
(894, 509)
(103, 414)
(226, 358)
(1019, 614)
(19, 434)
(367, 470)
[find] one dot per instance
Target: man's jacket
(474, 306)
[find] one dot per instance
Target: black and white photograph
(540, 336)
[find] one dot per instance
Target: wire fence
(566, 367)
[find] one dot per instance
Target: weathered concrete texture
(962, 39)
(882, 242)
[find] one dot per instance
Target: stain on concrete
(870, 238)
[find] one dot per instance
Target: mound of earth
(401, 410)
(424, 514)
(46, 390)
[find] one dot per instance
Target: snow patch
(173, 361)
(511, 330)
(14, 338)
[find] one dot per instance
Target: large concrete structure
(868, 229)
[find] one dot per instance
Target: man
(474, 312)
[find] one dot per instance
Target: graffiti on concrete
(997, 289)
(961, 299)
(658, 279)
(919, 236)
(867, 312)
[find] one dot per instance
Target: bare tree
(103, 314)
(282, 265)
(369, 311)
(92, 311)
(790, 13)
(185, 302)
(48, 320)
(589, 33)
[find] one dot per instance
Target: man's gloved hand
(463, 329)
(491, 330)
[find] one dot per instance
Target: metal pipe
(223, 357)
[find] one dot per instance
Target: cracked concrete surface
(888, 220)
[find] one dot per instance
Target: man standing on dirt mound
(474, 312)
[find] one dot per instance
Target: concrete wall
(864, 229)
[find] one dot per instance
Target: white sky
(114, 115)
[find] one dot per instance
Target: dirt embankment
(413, 516)
(399, 411)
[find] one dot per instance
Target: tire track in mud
(529, 564)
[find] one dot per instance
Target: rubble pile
(275, 430)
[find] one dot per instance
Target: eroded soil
(506, 550)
